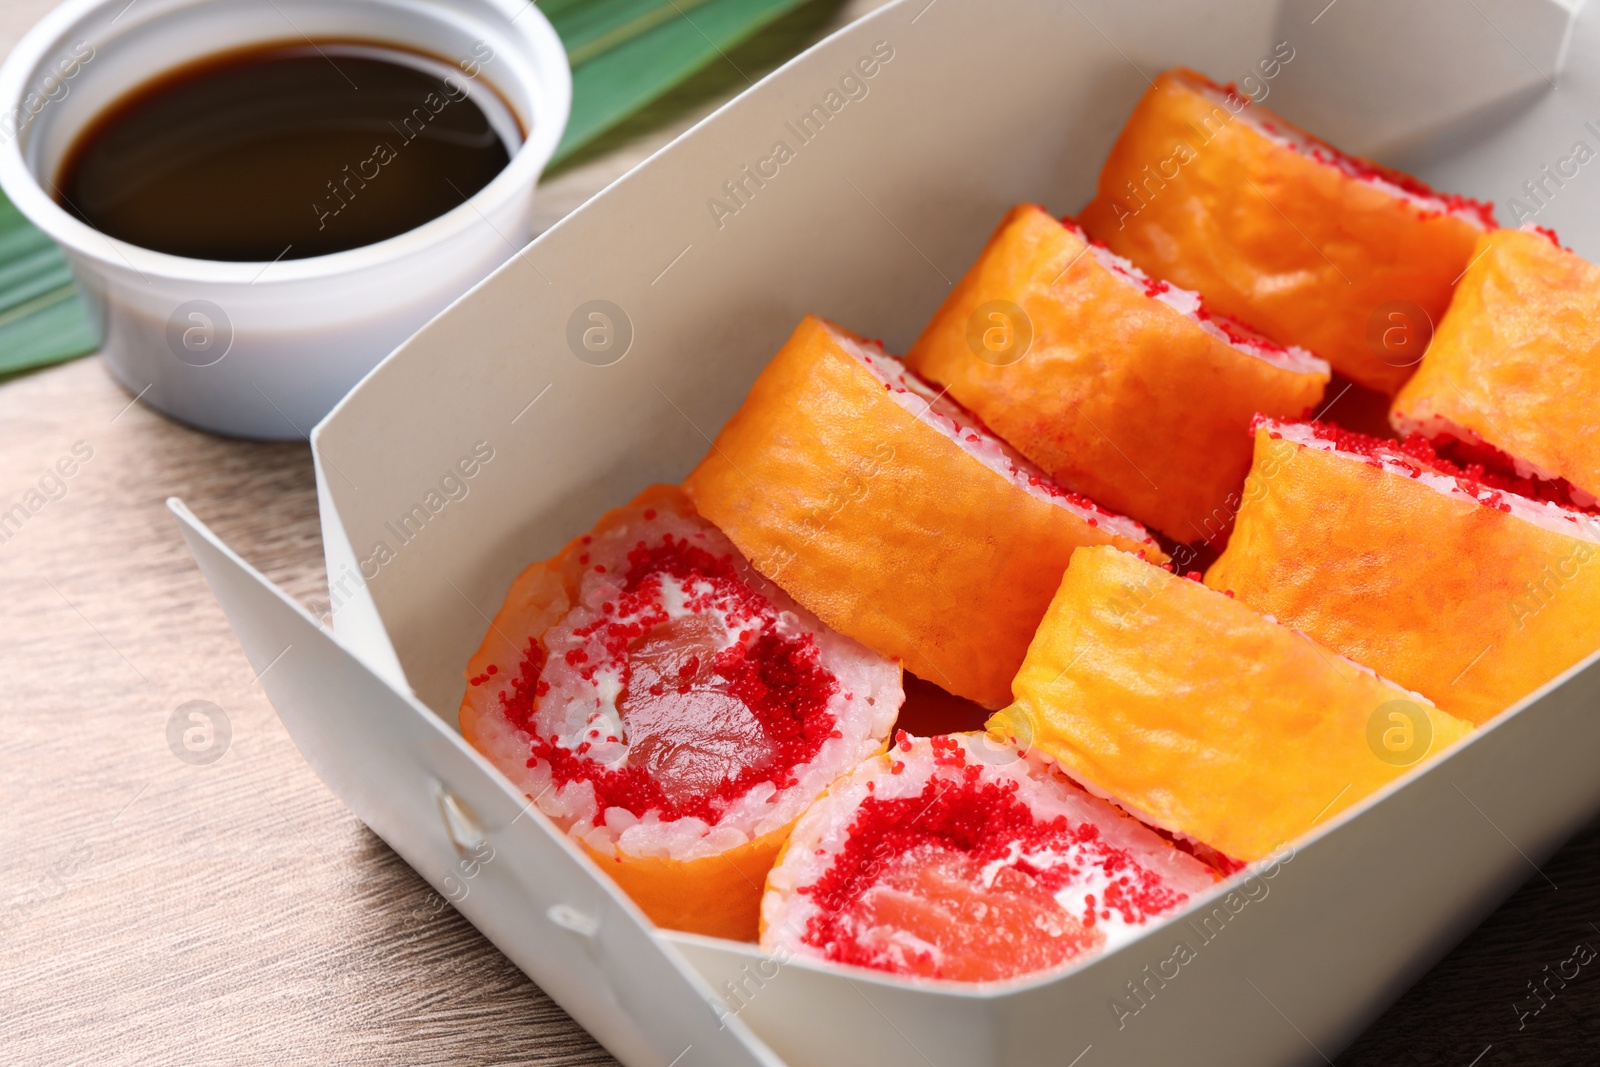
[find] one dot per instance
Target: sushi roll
(1451, 584)
(939, 859)
(881, 505)
(672, 710)
(1201, 717)
(1512, 369)
(1272, 226)
(1129, 390)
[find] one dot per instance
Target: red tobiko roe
(980, 822)
(1482, 470)
(1453, 203)
(1549, 235)
(1488, 465)
(779, 678)
(1237, 331)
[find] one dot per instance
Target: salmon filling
(679, 704)
(950, 858)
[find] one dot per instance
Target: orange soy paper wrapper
(1305, 243)
(1470, 595)
(1203, 718)
(1120, 386)
(1515, 363)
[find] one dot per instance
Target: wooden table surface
(153, 911)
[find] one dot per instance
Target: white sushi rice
(823, 832)
(935, 408)
(576, 710)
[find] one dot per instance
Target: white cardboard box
(866, 219)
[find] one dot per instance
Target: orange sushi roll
(1513, 365)
(1124, 388)
(894, 515)
(1309, 245)
(1452, 585)
(1201, 717)
(950, 858)
(672, 710)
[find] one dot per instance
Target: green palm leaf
(41, 319)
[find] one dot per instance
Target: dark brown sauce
(285, 151)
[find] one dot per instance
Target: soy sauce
(286, 151)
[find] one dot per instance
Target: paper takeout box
(857, 182)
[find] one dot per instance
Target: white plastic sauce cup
(264, 350)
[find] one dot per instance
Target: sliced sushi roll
(1129, 389)
(881, 505)
(1451, 584)
(1275, 227)
(1512, 373)
(1203, 718)
(947, 857)
(671, 709)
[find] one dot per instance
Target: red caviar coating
(1550, 235)
(1488, 465)
(937, 843)
(779, 678)
(1480, 470)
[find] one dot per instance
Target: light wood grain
(155, 912)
